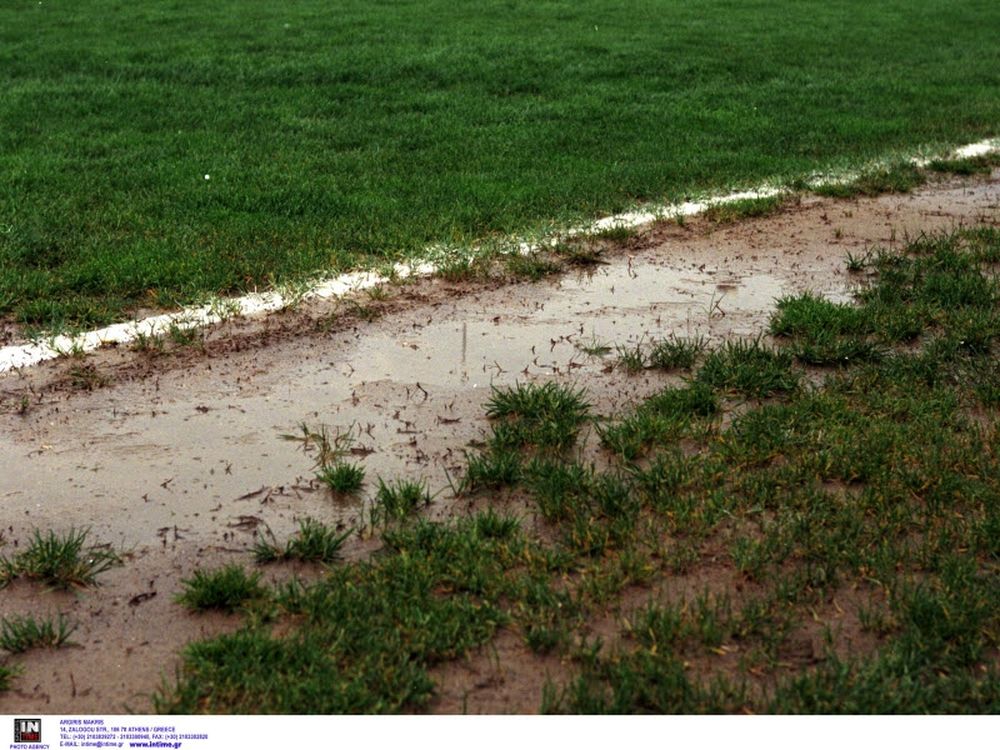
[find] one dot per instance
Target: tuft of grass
(750, 368)
(631, 357)
(662, 418)
(60, 561)
(547, 416)
(147, 344)
(314, 542)
(856, 263)
(397, 500)
(7, 675)
(186, 336)
(342, 478)
(227, 589)
(328, 447)
(498, 466)
(86, 377)
(675, 353)
(746, 208)
(810, 315)
(20, 634)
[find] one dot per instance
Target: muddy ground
(176, 458)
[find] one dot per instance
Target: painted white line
(19, 356)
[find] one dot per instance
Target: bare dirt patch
(177, 459)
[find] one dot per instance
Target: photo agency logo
(27, 730)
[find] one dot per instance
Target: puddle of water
(642, 300)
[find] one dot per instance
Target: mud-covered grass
(780, 532)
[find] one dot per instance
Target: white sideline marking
(20, 356)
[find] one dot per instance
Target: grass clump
(749, 367)
(314, 542)
(580, 253)
(7, 675)
(60, 561)
(810, 315)
(226, 589)
(496, 467)
(527, 419)
(632, 357)
(547, 416)
(342, 478)
(396, 501)
(825, 332)
(675, 353)
(20, 634)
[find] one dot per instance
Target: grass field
(152, 153)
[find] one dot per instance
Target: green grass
(676, 353)
(20, 634)
(341, 135)
(60, 561)
(968, 166)
(7, 675)
(832, 546)
(747, 208)
(226, 589)
(396, 500)
(898, 178)
(366, 635)
(314, 542)
(749, 367)
(547, 416)
(342, 478)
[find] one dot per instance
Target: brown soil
(177, 458)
